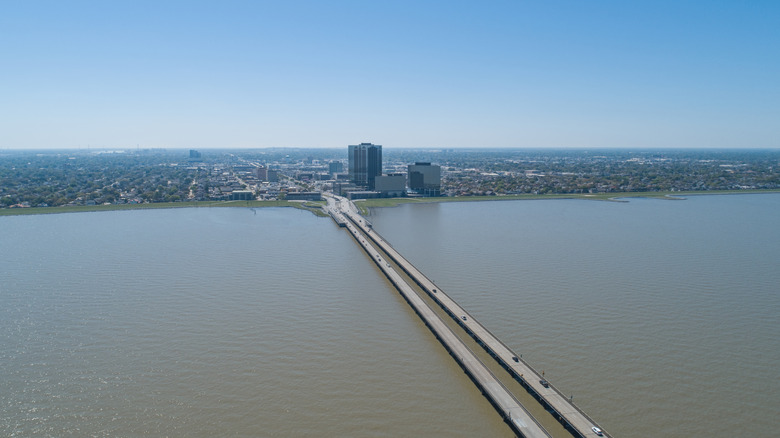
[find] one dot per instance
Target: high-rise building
(365, 164)
(261, 173)
(425, 179)
(335, 167)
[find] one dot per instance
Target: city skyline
(305, 74)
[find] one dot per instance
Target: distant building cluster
(368, 181)
(91, 178)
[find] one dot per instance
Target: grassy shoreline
(309, 206)
(366, 204)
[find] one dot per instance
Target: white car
(597, 431)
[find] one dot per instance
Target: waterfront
(201, 322)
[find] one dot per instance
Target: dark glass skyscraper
(365, 164)
(425, 179)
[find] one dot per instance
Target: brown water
(660, 317)
(214, 322)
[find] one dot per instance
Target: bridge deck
(576, 421)
(511, 409)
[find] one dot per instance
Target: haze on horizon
(514, 74)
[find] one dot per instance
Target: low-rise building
(242, 195)
(304, 196)
(363, 195)
(392, 185)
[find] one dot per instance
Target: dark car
(545, 383)
(514, 358)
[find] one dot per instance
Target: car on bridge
(597, 431)
(544, 383)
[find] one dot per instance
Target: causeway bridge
(574, 420)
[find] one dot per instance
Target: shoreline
(365, 204)
(314, 207)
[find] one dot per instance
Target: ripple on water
(215, 322)
(650, 312)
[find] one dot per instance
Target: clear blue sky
(288, 73)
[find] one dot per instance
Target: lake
(272, 322)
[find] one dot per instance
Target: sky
(403, 74)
